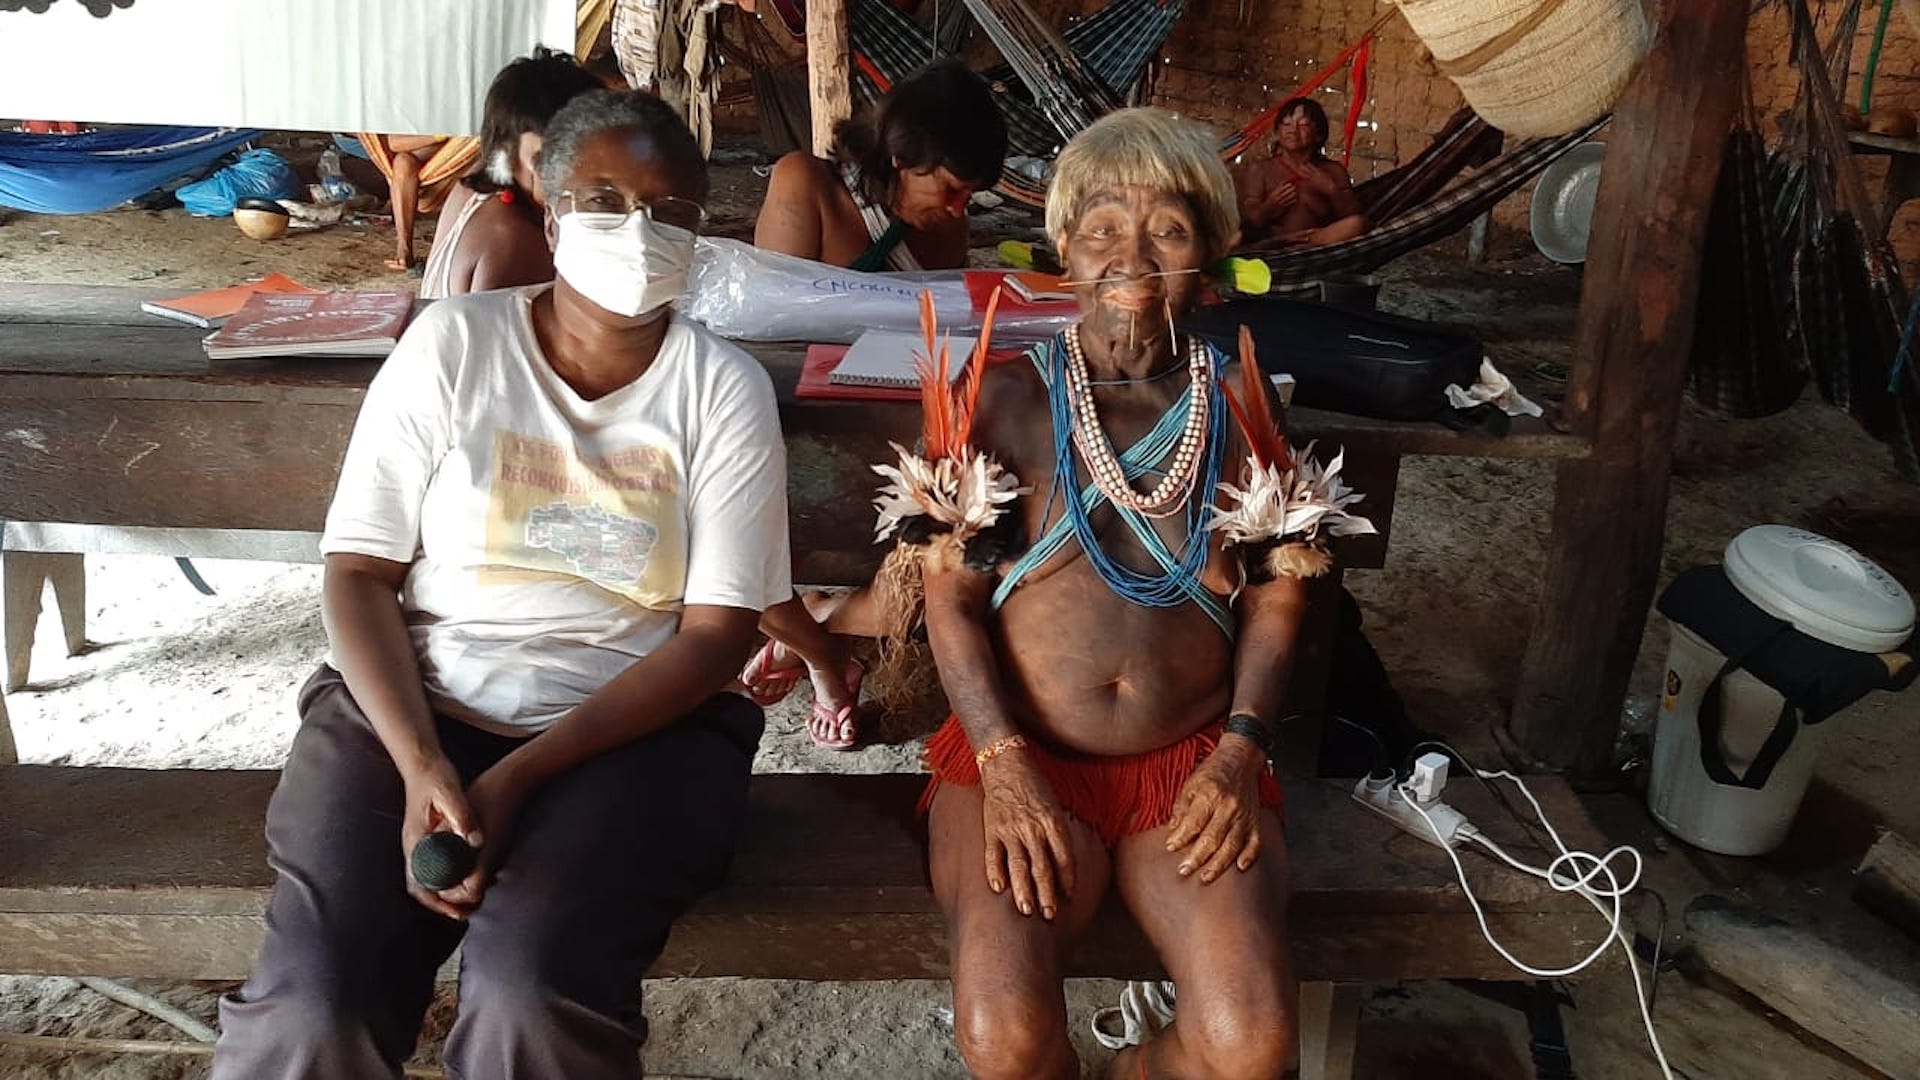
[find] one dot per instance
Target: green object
(1873, 56)
(1016, 254)
(1249, 277)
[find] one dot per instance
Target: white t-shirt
(554, 540)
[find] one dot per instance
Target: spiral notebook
(886, 358)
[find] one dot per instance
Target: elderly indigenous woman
(1299, 197)
(561, 513)
(895, 195)
(492, 230)
(1114, 648)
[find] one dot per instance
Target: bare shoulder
(1013, 409)
(799, 172)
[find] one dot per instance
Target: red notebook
(322, 324)
(817, 372)
(215, 306)
(980, 285)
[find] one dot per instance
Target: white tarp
(393, 66)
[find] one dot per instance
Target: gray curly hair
(605, 110)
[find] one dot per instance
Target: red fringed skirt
(1117, 796)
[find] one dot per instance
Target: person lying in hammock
(894, 196)
(1298, 197)
(492, 230)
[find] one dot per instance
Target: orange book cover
(316, 324)
(213, 307)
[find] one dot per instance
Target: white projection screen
(415, 67)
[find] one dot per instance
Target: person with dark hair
(561, 513)
(894, 196)
(1299, 197)
(490, 234)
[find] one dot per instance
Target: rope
(1873, 55)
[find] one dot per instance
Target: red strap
(1356, 95)
(1263, 124)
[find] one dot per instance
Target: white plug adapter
(1429, 777)
(1440, 826)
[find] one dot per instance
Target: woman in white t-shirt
(561, 514)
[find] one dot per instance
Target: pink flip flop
(768, 685)
(838, 720)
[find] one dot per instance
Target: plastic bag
(256, 172)
(739, 291)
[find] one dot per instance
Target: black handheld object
(442, 860)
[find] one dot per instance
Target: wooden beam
(829, 70)
(1863, 1005)
(1888, 882)
(1636, 326)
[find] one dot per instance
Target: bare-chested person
(894, 196)
(1299, 197)
(1115, 676)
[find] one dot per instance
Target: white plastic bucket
(1823, 589)
(1690, 803)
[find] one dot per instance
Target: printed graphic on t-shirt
(615, 520)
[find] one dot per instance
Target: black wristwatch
(1253, 728)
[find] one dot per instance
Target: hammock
(1448, 213)
(98, 170)
(1113, 45)
(1082, 72)
(450, 161)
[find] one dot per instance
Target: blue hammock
(96, 170)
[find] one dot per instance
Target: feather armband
(960, 496)
(1286, 514)
(1290, 506)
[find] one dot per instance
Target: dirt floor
(174, 678)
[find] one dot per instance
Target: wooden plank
(824, 946)
(829, 71)
(165, 875)
(1888, 882)
(1329, 1022)
(1636, 326)
(1863, 1005)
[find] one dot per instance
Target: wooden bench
(149, 873)
(117, 435)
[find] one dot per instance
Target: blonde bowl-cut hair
(1151, 148)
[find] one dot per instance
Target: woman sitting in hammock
(895, 195)
(1299, 197)
(492, 230)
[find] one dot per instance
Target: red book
(320, 324)
(215, 306)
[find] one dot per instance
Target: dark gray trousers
(602, 861)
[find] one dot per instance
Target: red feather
(1253, 410)
(948, 411)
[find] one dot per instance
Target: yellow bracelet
(997, 747)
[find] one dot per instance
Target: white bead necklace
(1170, 494)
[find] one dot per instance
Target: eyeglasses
(609, 208)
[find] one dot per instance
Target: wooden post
(1329, 1025)
(1630, 356)
(828, 70)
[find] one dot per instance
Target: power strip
(1383, 797)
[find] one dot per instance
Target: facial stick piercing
(1123, 278)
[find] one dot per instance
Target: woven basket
(1534, 67)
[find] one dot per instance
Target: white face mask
(631, 269)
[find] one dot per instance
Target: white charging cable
(1584, 882)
